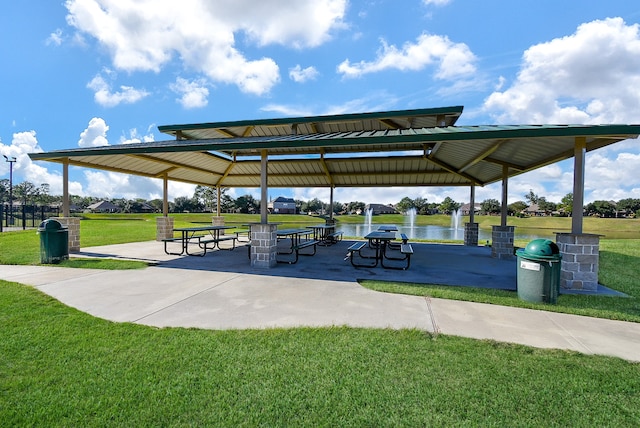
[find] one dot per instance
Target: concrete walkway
(207, 293)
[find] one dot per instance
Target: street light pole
(11, 161)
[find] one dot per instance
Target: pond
(437, 232)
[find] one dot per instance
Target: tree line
(205, 199)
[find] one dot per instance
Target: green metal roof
(398, 119)
(436, 156)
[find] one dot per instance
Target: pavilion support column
(580, 251)
(264, 188)
(471, 228)
(580, 260)
(330, 220)
(264, 236)
(164, 224)
(71, 223)
(66, 212)
(502, 236)
(218, 220)
(165, 195)
(580, 150)
(218, 200)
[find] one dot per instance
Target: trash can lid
(542, 249)
(50, 224)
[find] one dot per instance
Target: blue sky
(82, 73)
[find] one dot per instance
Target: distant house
(380, 209)
(282, 205)
(142, 207)
(533, 210)
(465, 209)
(103, 207)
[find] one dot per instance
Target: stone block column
(264, 245)
(502, 242)
(471, 234)
(218, 221)
(164, 228)
(73, 225)
(580, 260)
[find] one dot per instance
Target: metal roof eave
(252, 145)
(454, 112)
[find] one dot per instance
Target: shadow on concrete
(430, 264)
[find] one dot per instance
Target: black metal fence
(25, 216)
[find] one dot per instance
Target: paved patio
(431, 264)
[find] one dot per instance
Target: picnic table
(325, 234)
(379, 242)
(296, 243)
(206, 237)
(388, 228)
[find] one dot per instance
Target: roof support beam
(435, 148)
(578, 184)
(226, 172)
(389, 123)
(323, 162)
(482, 155)
(452, 170)
(503, 163)
(171, 163)
(227, 133)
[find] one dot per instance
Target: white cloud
(115, 185)
(374, 101)
(591, 76)
(95, 134)
(301, 75)
(453, 60)
(106, 98)
(193, 94)
(611, 178)
(134, 138)
(285, 110)
(55, 38)
(436, 2)
(24, 169)
(146, 35)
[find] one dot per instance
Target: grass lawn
(62, 367)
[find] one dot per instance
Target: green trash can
(54, 242)
(539, 271)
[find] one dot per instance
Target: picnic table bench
(204, 241)
(335, 236)
(297, 244)
(196, 236)
(380, 243)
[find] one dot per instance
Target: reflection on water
(438, 232)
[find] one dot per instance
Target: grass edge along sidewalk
(619, 267)
(62, 367)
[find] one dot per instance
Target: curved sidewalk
(166, 296)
